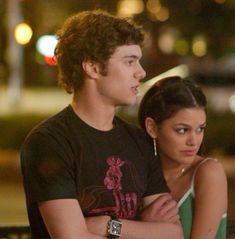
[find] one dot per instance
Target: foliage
(219, 134)
(14, 129)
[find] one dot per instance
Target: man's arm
(64, 220)
(138, 229)
(159, 220)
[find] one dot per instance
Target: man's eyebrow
(132, 56)
(136, 57)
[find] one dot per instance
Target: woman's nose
(192, 140)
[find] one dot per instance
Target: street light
(19, 33)
(23, 33)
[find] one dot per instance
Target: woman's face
(180, 137)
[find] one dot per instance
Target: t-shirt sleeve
(156, 182)
(47, 168)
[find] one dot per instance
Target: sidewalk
(34, 100)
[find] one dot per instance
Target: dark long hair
(167, 96)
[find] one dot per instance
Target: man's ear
(91, 69)
(151, 127)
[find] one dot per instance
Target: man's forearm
(150, 230)
(136, 229)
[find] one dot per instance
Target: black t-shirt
(109, 172)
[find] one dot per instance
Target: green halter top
(186, 205)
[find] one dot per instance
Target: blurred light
(46, 45)
(126, 8)
(39, 58)
(232, 103)
(152, 17)
(181, 46)
(153, 6)
(23, 33)
(166, 41)
(163, 14)
(220, 1)
(148, 41)
(50, 60)
(199, 46)
(181, 71)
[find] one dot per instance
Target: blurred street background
(191, 38)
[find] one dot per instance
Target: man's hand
(162, 209)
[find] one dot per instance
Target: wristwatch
(114, 228)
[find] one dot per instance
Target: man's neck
(94, 114)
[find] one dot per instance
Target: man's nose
(140, 73)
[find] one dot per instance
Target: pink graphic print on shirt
(125, 204)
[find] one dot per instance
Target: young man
(87, 173)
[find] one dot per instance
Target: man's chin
(130, 103)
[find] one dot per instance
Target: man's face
(124, 73)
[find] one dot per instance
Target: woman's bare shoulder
(209, 170)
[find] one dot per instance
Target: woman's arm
(160, 208)
(210, 188)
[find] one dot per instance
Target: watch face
(115, 228)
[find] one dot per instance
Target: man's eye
(129, 63)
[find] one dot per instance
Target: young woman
(173, 113)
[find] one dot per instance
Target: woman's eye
(181, 131)
(201, 129)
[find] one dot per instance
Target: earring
(155, 146)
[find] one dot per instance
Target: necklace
(178, 175)
(182, 172)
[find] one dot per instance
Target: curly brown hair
(91, 35)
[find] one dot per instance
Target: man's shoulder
(129, 126)
(134, 130)
(53, 136)
(58, 120)
(51, 127)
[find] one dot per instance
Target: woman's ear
(91, 69)
(151, 127)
